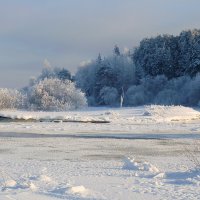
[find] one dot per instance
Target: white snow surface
(153, 112)
(147, 153)
(125, 122)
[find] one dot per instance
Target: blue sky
(67, 32)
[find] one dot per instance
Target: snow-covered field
(143, 153)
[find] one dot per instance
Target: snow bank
(52, 116)
(136, 120)
(155, 112)
(131, 164)
(43, 184)
(171, 113)
(190, 177)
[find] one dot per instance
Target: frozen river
(37, 166)
(143, 153)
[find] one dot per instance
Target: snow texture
(141, 154)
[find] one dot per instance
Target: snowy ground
(144, 153)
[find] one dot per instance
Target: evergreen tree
(105, 76)
(63, 74)
(116, 51)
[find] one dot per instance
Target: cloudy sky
(67, 32)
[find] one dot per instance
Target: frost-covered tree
(154, 85)
(59, 73)
(167, 97)
(191, 91)
(105, 77)
(116, 51)
(11, 99)
(183, 90)
(55, 95)
(136, 95)
(85, 79)
(189, 44)
(62, 74)
(172, 56)
(156, 56)
(161, 70)
(109, 96)
(113, 71)
(146, 91)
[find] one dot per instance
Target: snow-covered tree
(116, 51)
(113, 71)
(11, 99)
(136, 95)
(155, 56)
(85, 79)
(172, 56)
(105, 77)
(191, 91)
(62, 74)
(109, 96)
(59, 73)
(162, 70)
(55, 95)
(167, 97)
(189, 44)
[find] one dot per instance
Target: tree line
(161, 70)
